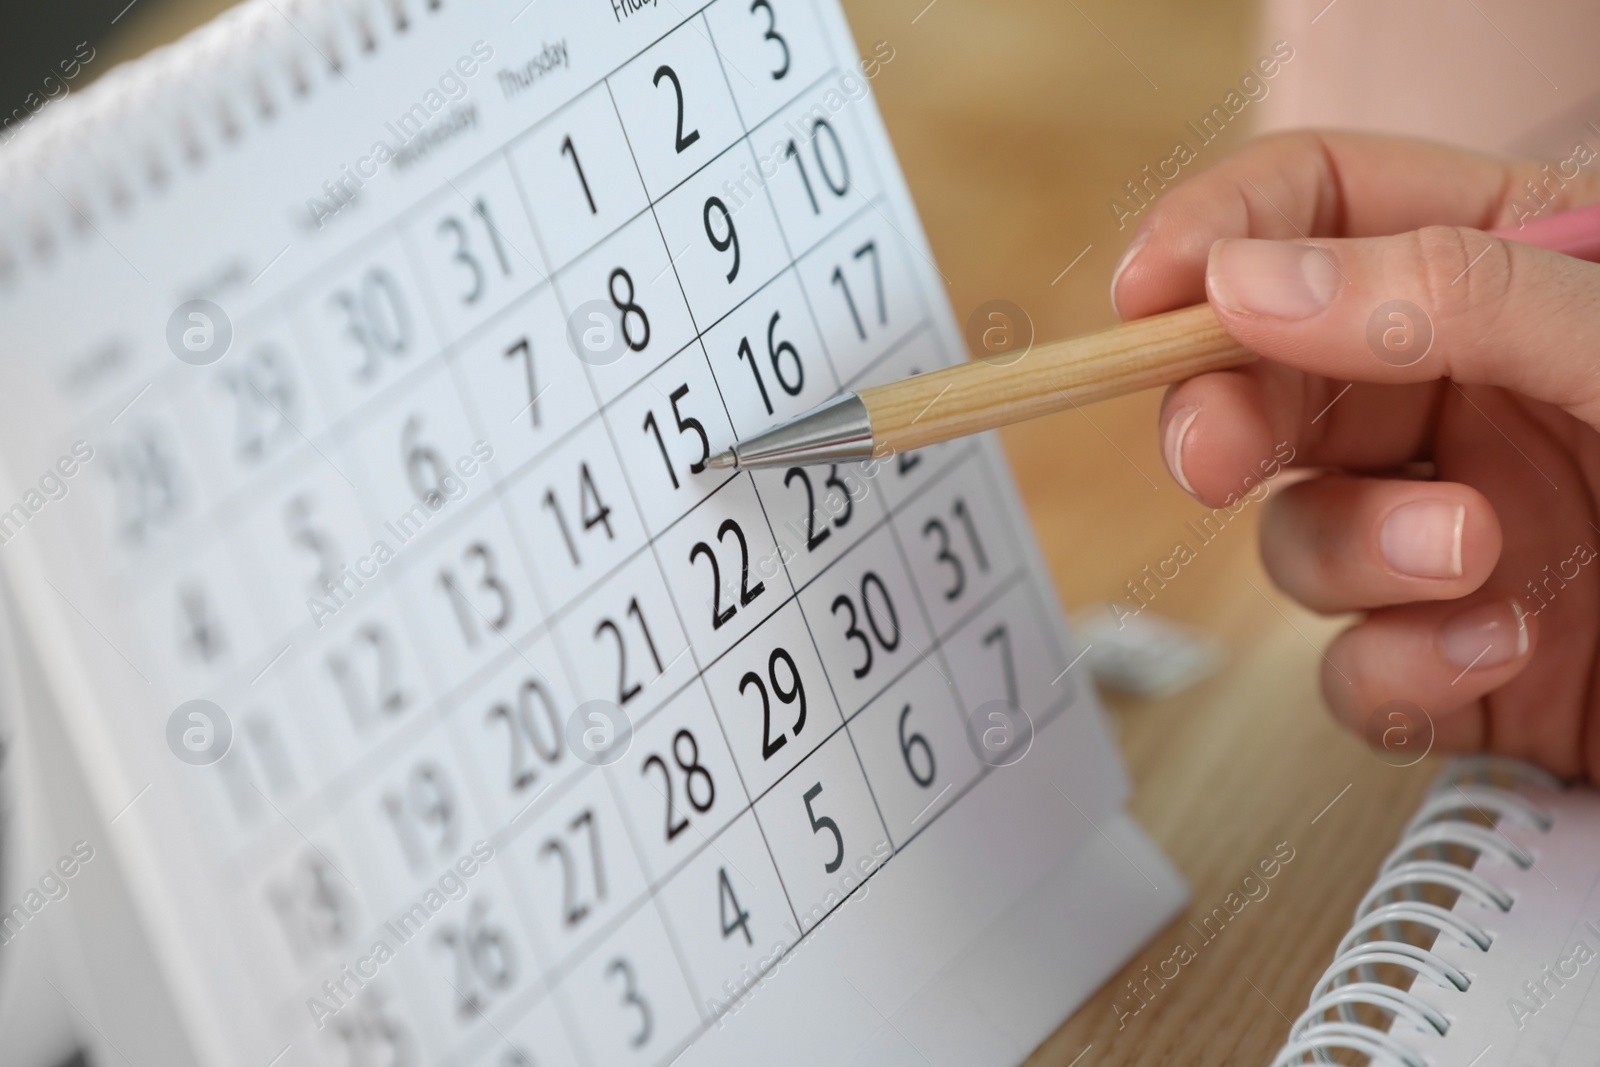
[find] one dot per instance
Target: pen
(983, 394)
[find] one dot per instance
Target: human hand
(1480, 590)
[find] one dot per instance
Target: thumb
(1437, 302)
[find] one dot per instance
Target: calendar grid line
(805, 293)
(652, 899)
(553, 611)
(923, 325)
(503, 1016)
(884, 186)
(721, 153)
(553, 986)
(723, 61)
(557, 634)
(652, 544)
(795, 598)
(766, 190)
(446, 703)
(748, 131)
(985, 769)
(553, 976)
(551, 979)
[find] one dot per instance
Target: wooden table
(1016, 121)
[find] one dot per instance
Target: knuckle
(1465, 275)
(1286, 143)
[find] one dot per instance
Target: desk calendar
(434, 702)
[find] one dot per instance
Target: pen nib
(723, 460)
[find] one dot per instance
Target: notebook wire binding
(1441, 830)
(93, 153)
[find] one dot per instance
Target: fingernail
(1177, 432)
(1486, 635)
(1275, 279)
(1424, 539)
(1139, 240)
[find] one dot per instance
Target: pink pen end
(1573, 233)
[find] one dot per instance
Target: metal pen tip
(837, 431)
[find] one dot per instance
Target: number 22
(747, 592)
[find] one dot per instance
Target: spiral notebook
(1479, 941)
(398, 685)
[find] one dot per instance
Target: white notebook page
(401, 534)
(1533, 998)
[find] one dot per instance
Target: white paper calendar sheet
(545, 743)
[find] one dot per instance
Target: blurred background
(1018, 123)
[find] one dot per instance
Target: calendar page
(440, 703)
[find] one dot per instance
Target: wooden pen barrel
(983, 393)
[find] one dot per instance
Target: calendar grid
(396, 229)
(294, 293)
(509, 833)
(406, 529)
(350, 782)
(597, 936)
(552, 616)
(552, 975)
(552, 978)
(448, 685)
(231, 512)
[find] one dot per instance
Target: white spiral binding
(1349, 982)
(92, 153)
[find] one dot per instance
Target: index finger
(1322, 184)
